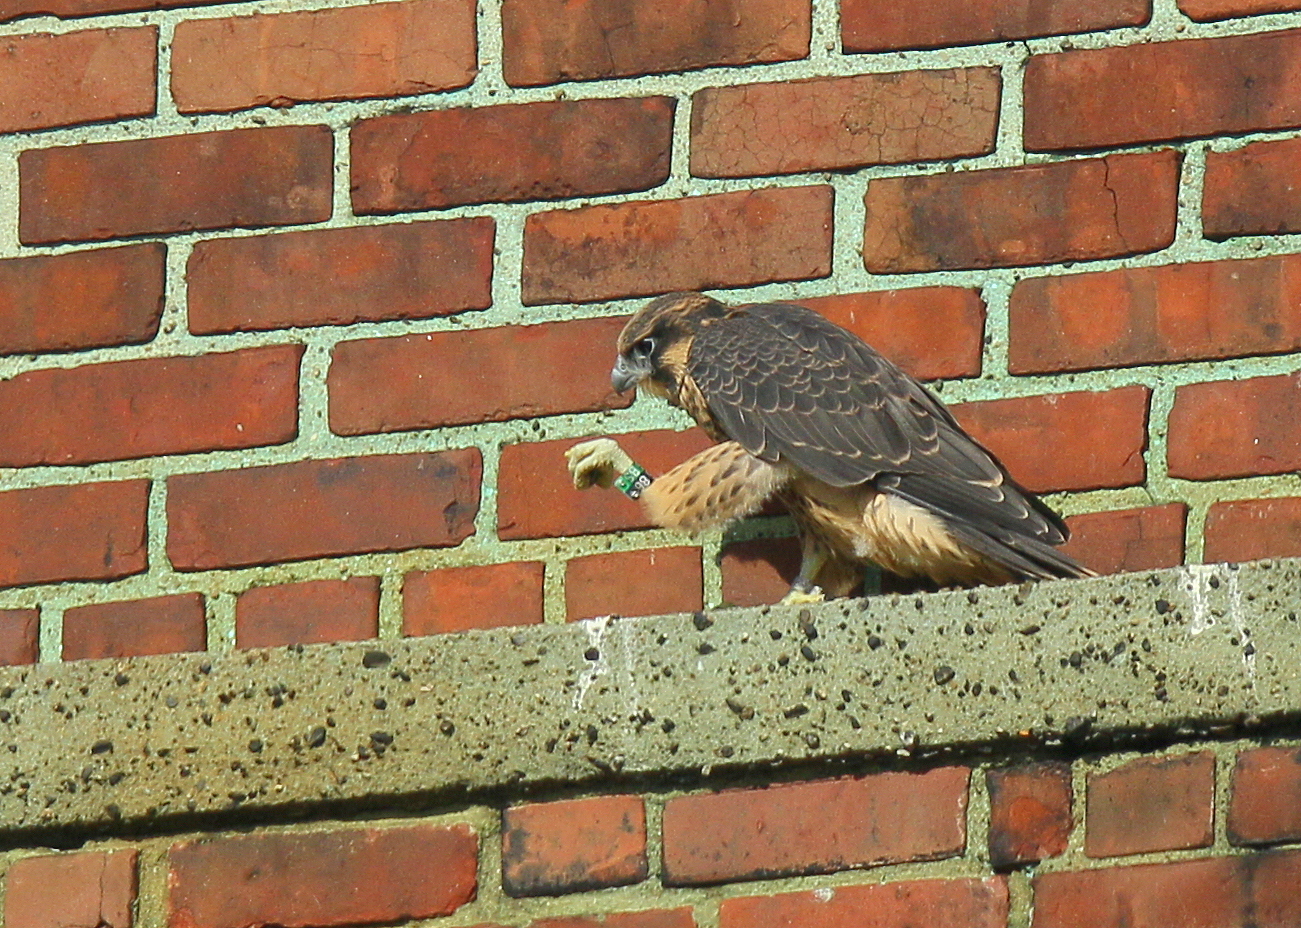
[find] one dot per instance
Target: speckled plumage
(870, 463)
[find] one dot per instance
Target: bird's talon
(804, 597)
(598, 462)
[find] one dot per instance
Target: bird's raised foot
(597, 462)
(803, 596)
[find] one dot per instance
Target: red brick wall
(1190, 836)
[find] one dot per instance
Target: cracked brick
(1124, 540)
(380, 50)
(845, 122)
(1038, 214)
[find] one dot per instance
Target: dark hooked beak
(624, 377)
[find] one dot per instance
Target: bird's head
(654, 345)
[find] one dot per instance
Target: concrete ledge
(150, 741)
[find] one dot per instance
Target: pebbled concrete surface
(150, 740)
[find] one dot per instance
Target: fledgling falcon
(868, 461)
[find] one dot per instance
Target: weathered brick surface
(651, 918)
(930, 332)
(527, 151)
(932, 903)
(210, 180)
(323, 508)
(1030, 813)
(83, 299)
(653, 582)
(571, 846)
(93, 889)
(1129, 539)
(843, 122)
(1154, 315)
(547, 41)
(1208, 10)
(758, 833)
(1265, 807)
(1236, 428)
(643, 248)
(483, 375)
(537, 499)
(1165, 90)
(759, 571)
(1251, 529)
(384, 50)
(1259, 890)
(19, 636)
(415, 270)
(349, 877)
(134, 409)
(89, 531)
(163, 625)
(455, 599)
(18, 9)
(1255, 190)
(879, 25)
(1151, 804)
(1037, 214)
(87, 76)
(307, 613)
(1068, 441)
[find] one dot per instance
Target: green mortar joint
(165, 741)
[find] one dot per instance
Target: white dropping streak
(595, 629)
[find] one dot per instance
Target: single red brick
(1251, 529)
(18, 9)
(384, 50)
(653, 582)
(19, 636)
(82, 299)
(759, 571)
(536, 497)
(1266, 803)
(834, 123)
(88, 76)
(210, 180)
(1129, 539)
(287, 512)
(1068, 441)
(930, 332)
(92, 889)
(910, 904)
(750, 834)
(1259, 890)
(307, 613)
(1164, 90)
(567, 847)
(1151, 804)
(548, 41)
(93, 531)
(480, 375)
(1152, 315)
(1030, 814)
(651, 918)
(642, 248)
(1208, 10)
(416, 270)
(138, 409)
(351, 876)
(455, 599)
(526, 151)
(879, 25)
(1255, 190)
(1235, 428)
(165, 625)
(1037, 214)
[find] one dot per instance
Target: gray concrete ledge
(150, 743)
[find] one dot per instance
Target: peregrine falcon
(870, 464)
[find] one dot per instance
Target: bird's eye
(644, 347)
